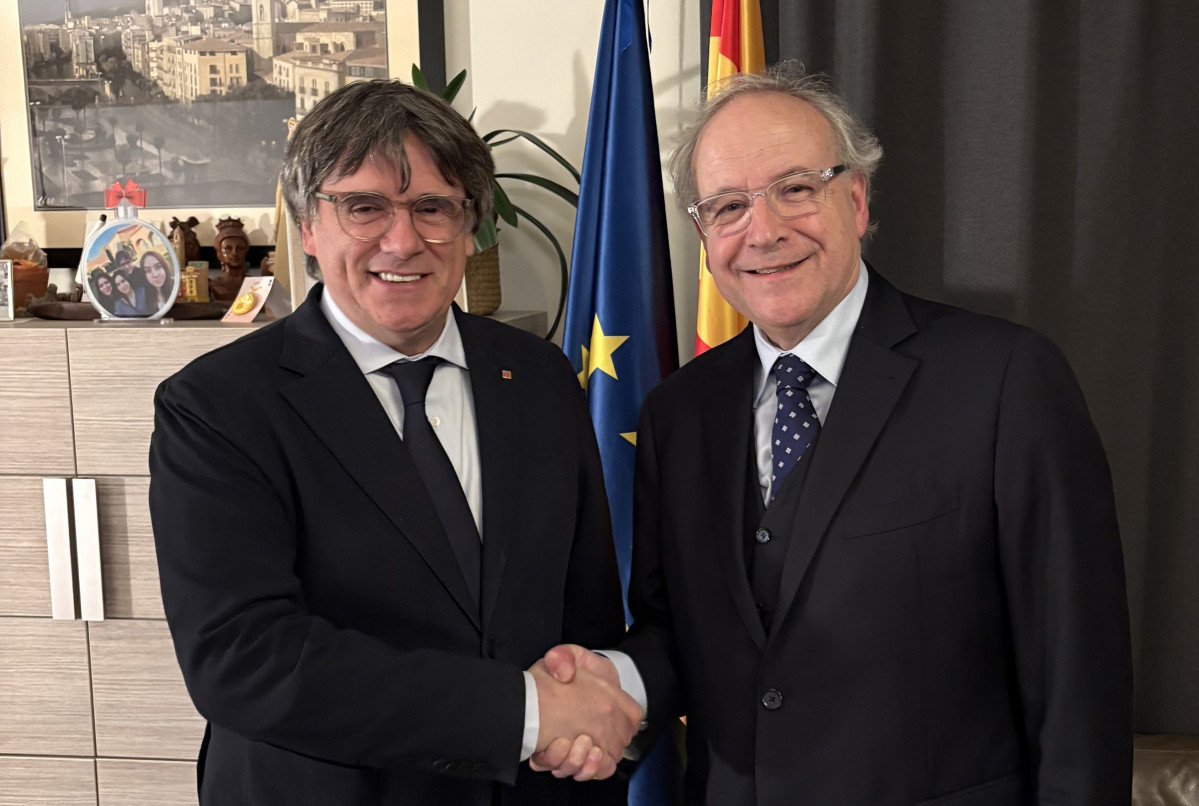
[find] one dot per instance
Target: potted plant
(484, 265)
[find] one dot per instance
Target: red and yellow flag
(735, 46)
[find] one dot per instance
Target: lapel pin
(506, 374)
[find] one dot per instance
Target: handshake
(586, 720)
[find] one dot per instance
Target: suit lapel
(727, 409)
(498, 418)
(334, 399)
(871, 383)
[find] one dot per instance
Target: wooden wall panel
(45, 697)
(35, 416)
(114, 373)
(126, 782)
(48, 781)
(142, 707)
(127, 556)
(24, 568)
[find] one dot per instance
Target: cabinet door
(142, 707)
(114, 373)
(35, 417)
(45, 699)
(44, 781)
(123, 782)
(24, 564)
(130, 567)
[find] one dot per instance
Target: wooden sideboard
(93, 709)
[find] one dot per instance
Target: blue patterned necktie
(795, 423)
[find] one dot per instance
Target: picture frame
(60, 228)
(130, 270)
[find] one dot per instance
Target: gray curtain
(1041, 166)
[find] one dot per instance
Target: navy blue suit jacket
(951, 621)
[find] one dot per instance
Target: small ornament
(246, 302)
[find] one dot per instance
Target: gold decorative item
(246, 302)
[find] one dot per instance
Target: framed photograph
(189, 100)
(7, 305)
(131, 271)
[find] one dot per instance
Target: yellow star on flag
(631, 436)
(584, 371)
(600, 355)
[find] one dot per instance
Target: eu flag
(620, 332)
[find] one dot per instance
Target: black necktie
(436, 470)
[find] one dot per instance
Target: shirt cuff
(632, 684)
(630, 679)
(533, 717)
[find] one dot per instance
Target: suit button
(491, 648)
(762, 535)
(772, 699)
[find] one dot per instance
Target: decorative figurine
(231, 245)
(184, 240)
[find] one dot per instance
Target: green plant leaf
(564, 270)
(503, 205)
(560, 190)
(548, 149)
(451, 89)
(418, 78)
(486, 236)
(497, 143)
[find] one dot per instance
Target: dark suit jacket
(951, 623)
(320, 618)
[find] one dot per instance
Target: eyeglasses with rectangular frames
(794, 195)
(367, 216)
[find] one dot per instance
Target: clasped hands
(586, 720)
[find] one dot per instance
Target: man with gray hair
(375, 516)
(875, 556)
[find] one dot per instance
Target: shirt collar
(823, 349)
(371, 355)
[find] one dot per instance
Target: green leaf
(497, 143)
(560, 190)
(548, 149)
(503, 205)
(564, 270)
(486, 236)
(451, 90)
(418, 78)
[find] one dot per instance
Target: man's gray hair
(856, 146)
(369, 120)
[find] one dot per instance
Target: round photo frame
(130, 269)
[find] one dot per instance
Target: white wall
(530, 66)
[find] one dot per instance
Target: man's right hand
(586, 721)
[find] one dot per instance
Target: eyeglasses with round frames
(368, 216)
(794, 195)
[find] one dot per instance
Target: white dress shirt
(824, 350)
(450, 407)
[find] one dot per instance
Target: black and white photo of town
(188, 98)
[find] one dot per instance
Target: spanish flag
(735, 46)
